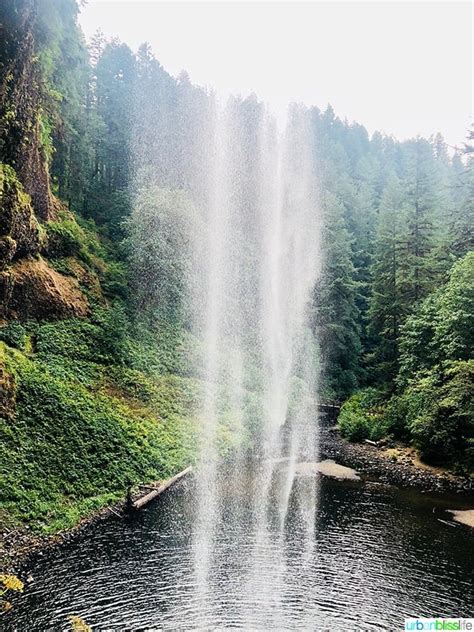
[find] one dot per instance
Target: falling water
(259, 257)
(252, 260)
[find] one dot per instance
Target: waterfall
(258, 258)
(238, 198)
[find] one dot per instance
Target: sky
(404, 68)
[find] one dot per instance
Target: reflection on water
(379, 555)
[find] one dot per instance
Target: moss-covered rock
(7, 390)
(19, 228)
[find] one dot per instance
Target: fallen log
(144, 500)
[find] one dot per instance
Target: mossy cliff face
(32, 289)
(22, 96)
(19, 228)
(29, 287)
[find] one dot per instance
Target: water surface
(380, 554)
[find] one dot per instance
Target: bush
(441, 413)
(64, 239)
(69, 236)
(363, 416)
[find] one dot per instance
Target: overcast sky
(401, 67)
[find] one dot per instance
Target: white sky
(401, 67)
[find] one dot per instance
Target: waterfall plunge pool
(380, 554)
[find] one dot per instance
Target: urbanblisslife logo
(439, 624)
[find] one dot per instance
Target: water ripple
(379, 556)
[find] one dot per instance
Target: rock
(31, 289)
(19, 228)
(328, 468)
(463, 516)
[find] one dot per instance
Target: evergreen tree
(336, 316)
(422, 215)
(115, 73)
(388, 307)
(461, 228)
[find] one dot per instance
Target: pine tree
(422, 216)
(388, 307)
(336, 316)
(461, 228)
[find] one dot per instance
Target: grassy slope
(88, 405)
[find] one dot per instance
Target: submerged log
(157, 491)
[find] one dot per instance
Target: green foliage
(437, 408)
(68, 236)
(115, 280)
(46, 129)
(387, 304)
(335, 316)
(363, 416)
(158, 236)
(432, 407)
(64, 239)
(442, 328)
(72, 446)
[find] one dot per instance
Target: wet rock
(371, 462)
(463, 516)
(328, 468)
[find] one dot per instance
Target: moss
(67, 238)
(32, 289)
(19, 229)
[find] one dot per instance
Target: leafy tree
(442, 328)
(158, 233)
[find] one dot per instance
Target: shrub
(441, 413)
(363, 416)
(65, 239)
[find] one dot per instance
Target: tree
(442, 327)
(422, 215)
(461, 228)
(158, 234)
(388, 307)
(335, 316)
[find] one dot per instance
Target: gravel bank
(395, 466)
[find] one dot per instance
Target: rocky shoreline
(397, 465)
